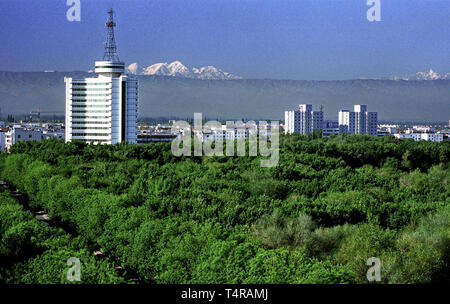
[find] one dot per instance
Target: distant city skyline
(283, 39)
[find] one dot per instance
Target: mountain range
(177, 69)
(168, 96)
(429, 75)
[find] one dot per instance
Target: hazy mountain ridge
(21, 92)
(428, 75)
(177, 69)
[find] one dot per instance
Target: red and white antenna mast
(110, 44)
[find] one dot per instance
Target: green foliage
(276, 231)
(34, 253)
(423, 254)
(328, 206)
(366, 241)
(51, 268)
(281, 266)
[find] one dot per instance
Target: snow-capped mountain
(133, 68)
(155, 69)
(177, 69)
(430, 75)
(211, 72)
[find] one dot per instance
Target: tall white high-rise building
(346, 121)
(303, 121)
(103, 109)
(358, 121)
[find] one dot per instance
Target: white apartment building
(103, 109)
(435, 137)
(17, 134)
(52, 134)
(235, 132)
(327, 132)
(223, 133)
(347, 121)
(427, 129)
(303, 121)
(358, 121)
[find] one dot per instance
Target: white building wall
(360, 119)
(305, 119)
(68, 110)
(347, 121)
(17, 134)
(435, 137)
(288, 122)
(94, 109)
(88, 109)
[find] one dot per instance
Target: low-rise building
(435, 137)
(53, 134)
(145, 138)
(327, 132)
(18, 133)
(426, 129)
(223, 133)
(384, 133)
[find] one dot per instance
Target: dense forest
(328, 206)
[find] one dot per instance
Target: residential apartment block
(358, 121)
(303, 121)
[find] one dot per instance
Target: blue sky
(279, 39)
